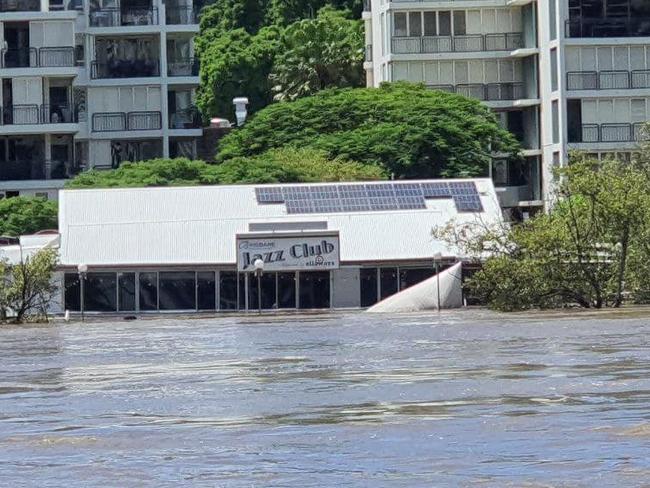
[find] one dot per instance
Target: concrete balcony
(38, 119)
(608, 80)
(123, 17)
(457, 44)
(609, 133)
(487, 92)
(122, 68)
(126, 121)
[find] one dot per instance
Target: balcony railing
(607, 27)
(489, 92)
(181, 15)
(44, 57)
(183, 67)
(446, 44)
(138, 68)
(33, 114)
(123, 121)
(608, 80)
(189, 118)
(125, 16)
(593, 133)
(22, 170)
(20, 5)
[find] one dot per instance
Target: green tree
(236, 64)
(590, 250)
(26, 215)
(27, 288)
(277, 166)
(404, 128)
(320, 53)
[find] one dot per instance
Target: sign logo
(288, 253)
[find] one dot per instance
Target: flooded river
(460, 399)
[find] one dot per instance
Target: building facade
(90, 83)
(323, 246)
(561, 75)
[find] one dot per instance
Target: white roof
(29, 245)
(198, 225)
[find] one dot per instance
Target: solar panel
(468, 203)
(269, 195)
(462, 188)
(411, 203)
(435, 190)
(408, 189)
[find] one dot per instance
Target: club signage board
(288, 253)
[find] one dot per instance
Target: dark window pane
(400, 24)
(444, 21)
(388, 277)
(287, 290)
(415, 24)
(410, 277)
(148, 291)
(126, 282)
(267, 284)
(72, 292)
(227, 290)
(315, 289)
(368, 278)
(177, 290)
(205, 289)
(242, 291)
(100, 293)
(459, 23)
(430, 24)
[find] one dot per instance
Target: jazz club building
(316, 246)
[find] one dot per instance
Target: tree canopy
(241, 39)
(277, 166)
(406, 129)
(325, 52)
(590, 250)
(26, 215)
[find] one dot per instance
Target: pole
(438, 283)
(82, 279)
(259, 292)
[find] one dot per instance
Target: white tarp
(424, 295)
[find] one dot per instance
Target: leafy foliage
(277, 166)
(27, 288)
(325, 52)
(240, 40)
(26, 215)
(406, 129)
(591, 250)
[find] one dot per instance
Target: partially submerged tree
(406, 129)
(591, 250)
(27, 288)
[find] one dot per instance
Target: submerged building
(323, 246)
(561, 75)
(90, 83)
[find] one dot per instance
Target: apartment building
(561, 75)
(91, 83)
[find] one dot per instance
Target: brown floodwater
(466, 398)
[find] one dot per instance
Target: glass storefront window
(177, 290)
(267, 285)
(148, 291)
(100, 293)
(388, 277)
(228, 290)
(368, 285)
(205, 290)
(286, 290)
(72, 292)
(314, 289)
(412, 276)
(126, 292)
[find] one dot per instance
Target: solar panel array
(369, 197)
